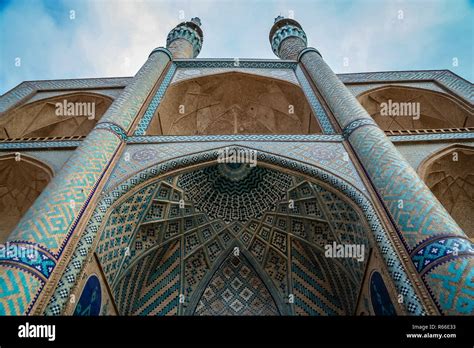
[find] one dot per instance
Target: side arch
(436, 110)
(22, 179)
(77, 115)
(449, 173)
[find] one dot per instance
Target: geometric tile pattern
(236, 289)
(451, 285)
(18, 289)
(191, 73)
(119, 228)
(313, 289)
(230, 200)
(314, 102)
(220, 236)
(49, 221)
(155, 102)
(432, 253)
(329, 155)
(152, 285)
(418, 216)
(397, 182)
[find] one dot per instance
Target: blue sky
(108, 38)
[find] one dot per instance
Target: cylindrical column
(439, 249)
(42, 235)
(185, 40)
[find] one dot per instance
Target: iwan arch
(133, 211)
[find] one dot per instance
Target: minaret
(185, 40)
(54, 223)
(420, 219)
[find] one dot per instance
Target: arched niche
(185, 245)
(396, 108)
(67, 115)
(449, 173)
(22, 179)
(233, 103)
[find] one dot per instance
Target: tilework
(197, 264)
(60, 204)
(422, 216)
(31, 257)
(431, 253)
(115, 129)
(91, 298)
(234, 137)
(331, 156)
(152, 286)
(18, 289)
(234, 200)
(318, 109)
(124, 110)
(54, 215)
(118, 230)
(312, 288)
(450, 284)
(347, 131)
(183, 74)
(155, 102)
(230, 63)
(439, 136)
(380, 299)
(236, 289)
(39, 145)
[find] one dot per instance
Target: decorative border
(41, 266)
(353, 125)
(40, 145)
(113, 128)
(236, 63)
(434, 136)
(155, 102)
(395, 267)
(436, 250)
(233, 137)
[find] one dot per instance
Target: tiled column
(441, 252)
(52, 221)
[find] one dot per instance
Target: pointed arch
(425, 109)
(73, 114)
(22, 179)
(449, 173)
(233, 103)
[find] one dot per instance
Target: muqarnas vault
(131, 212)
